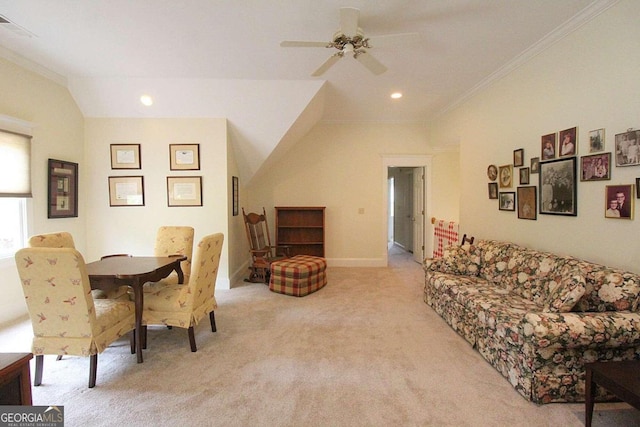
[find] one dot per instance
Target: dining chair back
(64, 316)
(185, 305)
(61, 239)
(175, 240)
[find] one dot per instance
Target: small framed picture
(548, 147)
(596, 140)
(505, 176)
(492, 172)
(638, 188)
(126, 191)
(524, 176)
(184, 191)
(535, 164)
(518, 157)
(527, 202)
(234, 194)
(558, 187)
(628, 148)
(493, 190)
(507, 201)
(596, 167)
(63, 189)
(125, 156)
(184, 157)
(568, 142)
(619, 201)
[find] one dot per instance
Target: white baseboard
(356, 262)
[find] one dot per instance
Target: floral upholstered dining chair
(185, 305)
(175, 240)
(64, 239)
(65, 317)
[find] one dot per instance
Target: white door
(418, 214)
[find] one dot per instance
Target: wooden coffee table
(620, 378)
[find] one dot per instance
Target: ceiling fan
(350, 39)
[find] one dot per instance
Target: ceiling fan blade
(375, 66)
(349, 21)
(392, 39)
(327, 64)
(293, 43)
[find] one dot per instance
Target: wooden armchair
(260, 248)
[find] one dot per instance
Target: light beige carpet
(363, 351)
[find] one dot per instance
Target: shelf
(302, 228)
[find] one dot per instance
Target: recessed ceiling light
(146, 100)
(396, 95)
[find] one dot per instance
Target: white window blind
(15, 169)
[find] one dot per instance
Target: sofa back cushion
(461, 260)
(534, 275)
(564, 290)
(608, 289)
(494, 260)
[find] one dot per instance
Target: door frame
(404, 160)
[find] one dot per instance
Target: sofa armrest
(580, 330)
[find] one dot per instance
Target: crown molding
(32, 66)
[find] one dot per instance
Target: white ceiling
(221, 58)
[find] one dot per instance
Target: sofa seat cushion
(498, 314)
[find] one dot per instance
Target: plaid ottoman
(298, 276)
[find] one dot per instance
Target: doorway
(407, 191)
(402, 216)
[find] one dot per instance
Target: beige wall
(133, 229)
(340, 166)
(58, 134)
(589, 80)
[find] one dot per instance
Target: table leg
(138, 295)
(589, 394)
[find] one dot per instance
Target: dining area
(80, 308)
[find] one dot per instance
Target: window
(13, 225)
(15, 187)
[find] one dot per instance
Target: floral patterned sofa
(535, 316)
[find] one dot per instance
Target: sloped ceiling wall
(261, 113)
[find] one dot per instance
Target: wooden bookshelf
(302, 228)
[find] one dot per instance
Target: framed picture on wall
(126, 191)
(558, 187)
(125, 156)
(524, 176)
(548, 147)
(596, 167)
(628, 148)
(234, 194)
(184, 191)
(527, 202)
(518, 157)
(535, 164)
(618, 201)
(184, 157)
(568, 145)
(507, 201)
(596, 140)
(505, 176)
(63, 189)
(493, 190)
